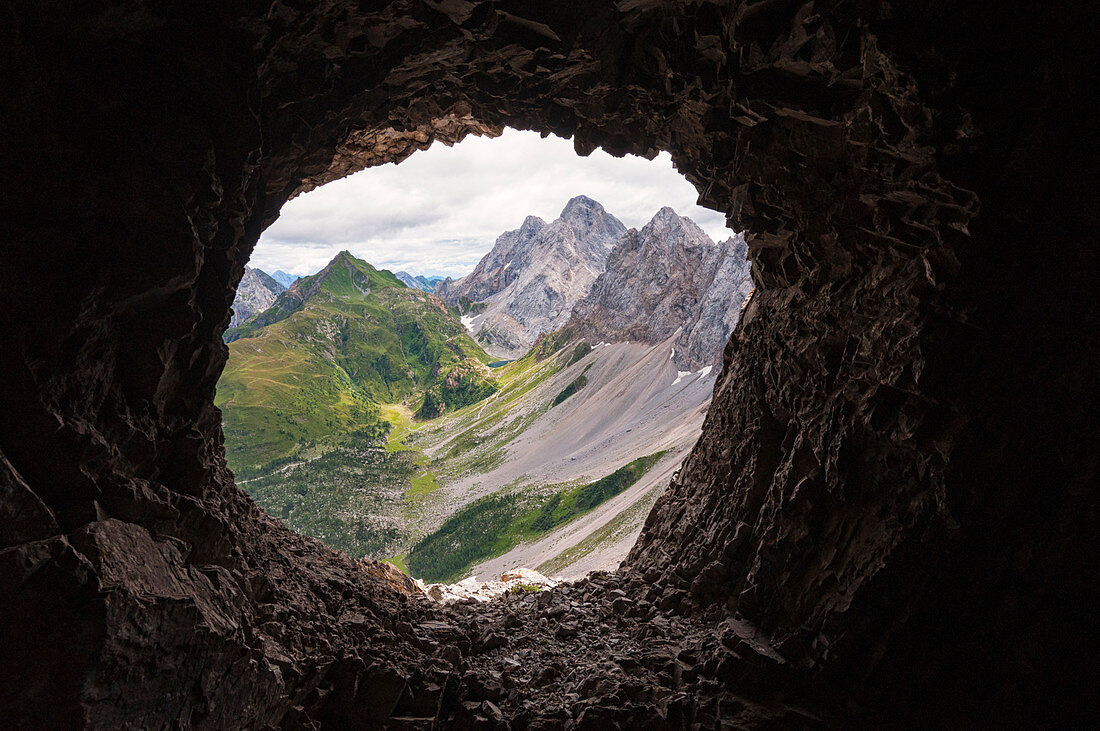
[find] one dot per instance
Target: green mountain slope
(331, 349)
(494, 524)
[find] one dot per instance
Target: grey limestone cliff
(534, 275)
(256, 292)
(669, 278)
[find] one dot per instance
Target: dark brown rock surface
(897, 478)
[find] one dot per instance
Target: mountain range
(528, 283)
(359, 409)
(419, 281)
(283, 278)
(668, 280)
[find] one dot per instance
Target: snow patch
(680, 376)
(468, 321)
(705, 371)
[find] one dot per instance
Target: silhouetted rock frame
(896, 479)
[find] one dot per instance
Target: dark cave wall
(897, 475)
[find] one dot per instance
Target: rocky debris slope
(612, 652)
(534, 275)
(528, 440)
(256, 292)
(519, 579)
(669, 279)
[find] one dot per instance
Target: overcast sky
(440, 210)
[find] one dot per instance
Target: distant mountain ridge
(283, 278)
(255, 293)
(586, 271)
(418, 281)
(530, 280)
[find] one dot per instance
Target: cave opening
(890, 518)
(365, 417)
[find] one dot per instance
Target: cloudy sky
(440, 210)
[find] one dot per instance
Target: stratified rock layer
(896, 482)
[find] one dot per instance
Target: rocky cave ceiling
(896, 482)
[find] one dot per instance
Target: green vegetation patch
(482, 529)
(338, 497)
(398, 562)
(615, 529)
(468, 307)
(582, 349)
(526, 588)
(547, 344)
(566, 506)
(495, 524)
(331, 349)
(421, 485)
(462, 384)
(575, 385)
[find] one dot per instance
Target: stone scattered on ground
(516, 580)
(609, 651)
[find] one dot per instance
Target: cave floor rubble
(608, 651)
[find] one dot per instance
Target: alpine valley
(528, 414)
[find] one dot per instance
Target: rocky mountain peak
(283, 278)
(417, 281)
(255, 293)
(590, 219)
(531, 226)
(581, 206)
(345, 257)
(534, 275)
(737, 247)
(667, 221)
(668, 279)
(667, 213)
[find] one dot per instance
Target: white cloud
(440, 211)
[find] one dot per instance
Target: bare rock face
(669, 277)
(510, 255)
(534, 275)
(889, 519)
(256, 292)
